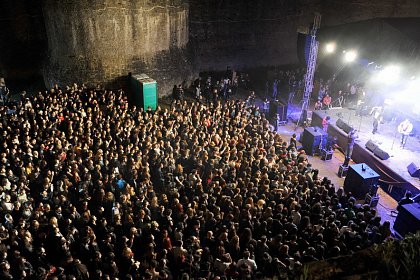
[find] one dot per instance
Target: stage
(394, 176)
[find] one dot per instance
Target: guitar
(405, 127)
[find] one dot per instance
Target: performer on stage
(376, 112)
(405, 129)
(351, 138)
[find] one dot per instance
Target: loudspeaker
(381, 153)
(343, 125)
(277, 107)
(313, 138)
(408, 219)
(371, 146)
(413, 170)
(360, 180)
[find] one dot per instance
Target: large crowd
(92, 188)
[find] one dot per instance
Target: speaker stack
(361, 180)
(278, 108)
(314, 139)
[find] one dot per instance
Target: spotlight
(389, 74)
(330, 47)
(350, 56)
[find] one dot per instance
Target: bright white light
(390, 74)
(350, 56)
(330, 47)
(389, 101)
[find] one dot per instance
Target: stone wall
(340, 12)
(243, 34)
(100, 41)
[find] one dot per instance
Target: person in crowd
(326, 102)
(318, 105)
(275, 89)
(405, 200)
(95, 188)
(266, 106)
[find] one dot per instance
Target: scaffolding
(310, 71)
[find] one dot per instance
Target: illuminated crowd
(93, 188)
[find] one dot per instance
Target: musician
(376, 112)
(405, 128)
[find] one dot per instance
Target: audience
(94, 188)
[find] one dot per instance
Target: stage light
(350, 56)
(330, 47)
(389, 101)
(390, 74)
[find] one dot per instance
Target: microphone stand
(393, 140)
(360, 122)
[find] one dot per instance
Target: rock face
(245, 33)
(99, 41)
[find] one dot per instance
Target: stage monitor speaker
(381, 153)
(360, 180)
(371, 146)
(313, 138)
(343, 125)
(414, 170)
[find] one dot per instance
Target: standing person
(275, 83)
(405, 129)
(321, 91)
(326, 101)
(252, 98)
(351, 138)
(198, 92)
(293, 140)
(225, 88)
(215, 93)
(266, 106)
(376, 112)
(318, 105)
(325, 123)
